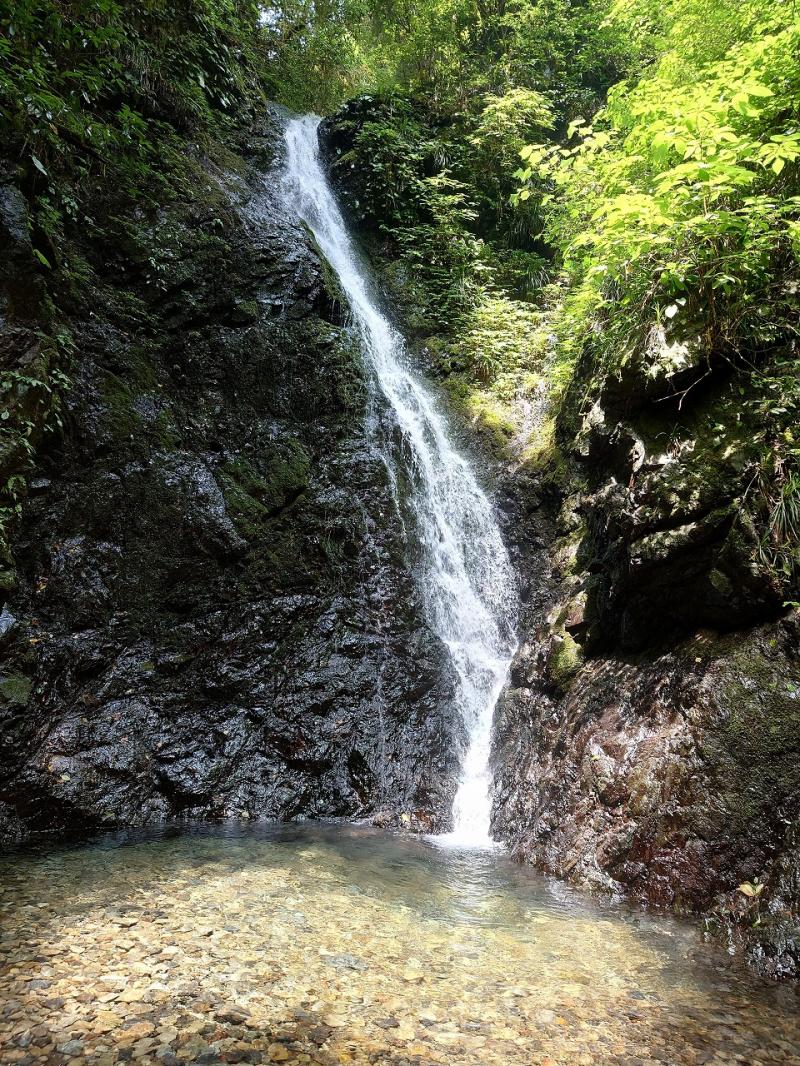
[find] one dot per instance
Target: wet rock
(671, 779)
(225, 623)
(7, 625)
(22, 289)
(235, 1015)
(71, 1047)
(346, 962)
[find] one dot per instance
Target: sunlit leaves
(683, 165)
(677, 205)
(780, 150)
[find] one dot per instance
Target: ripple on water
(320, 944)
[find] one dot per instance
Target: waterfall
(464, 574)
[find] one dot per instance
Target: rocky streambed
(326, 945)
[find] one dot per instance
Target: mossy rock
(8, 575)
(245, 312)
(758, 745)
(330, 280)
(132, 404)
(564, 661)
(15, 689)
(255, 495)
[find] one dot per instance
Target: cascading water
(465, 577)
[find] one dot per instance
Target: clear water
(323, 944)
(464, 574)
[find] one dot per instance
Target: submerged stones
(456, 965)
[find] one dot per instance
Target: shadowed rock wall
(212, 612)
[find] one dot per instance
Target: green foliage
(500, 131)
(419, 188)
(685, 193)
(780, 500)
(457, 54)
(459, 88)
(499, 333)
(556, 184)
(317, 53)
(677, 206)
(27, 400)
(87, 83)
(97, 98)
(406, 189)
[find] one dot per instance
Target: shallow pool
(322, 944)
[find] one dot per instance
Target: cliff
(210, 611)
(649, 741)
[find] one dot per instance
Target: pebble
(71, 1047)
(255, 951)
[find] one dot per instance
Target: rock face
(670, 475)
(213, 612)
(672, 777)
(649, 741)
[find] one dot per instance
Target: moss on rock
(16, 689)
(758, 743)
(256, 494)
(565, 660)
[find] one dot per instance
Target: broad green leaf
(757, 89)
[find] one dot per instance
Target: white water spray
(465, 576)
